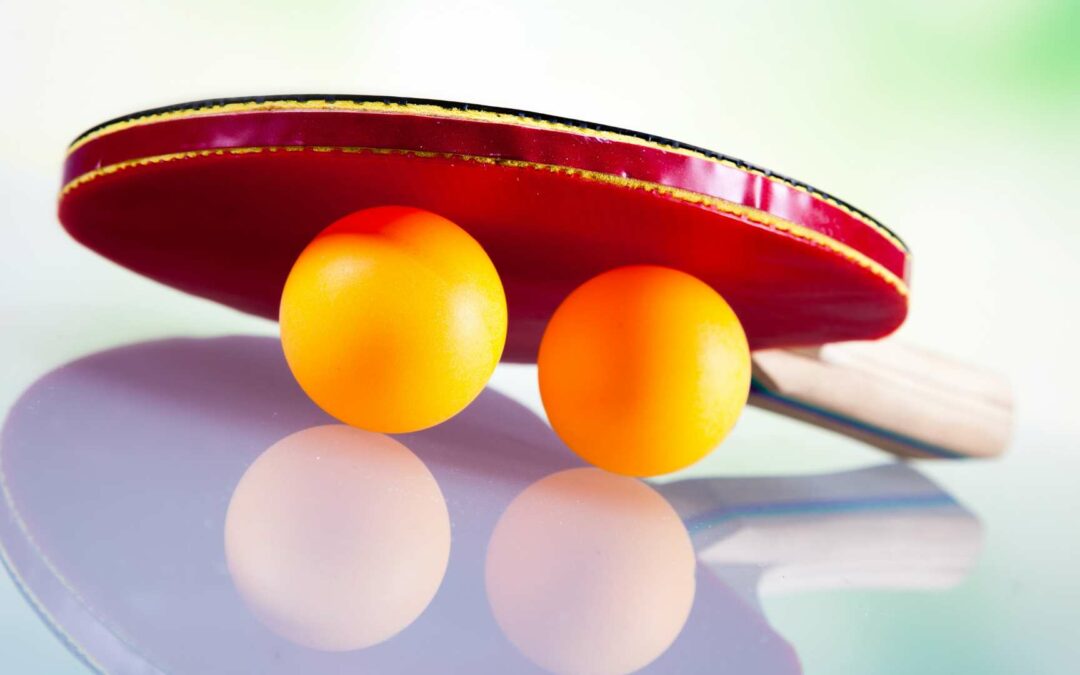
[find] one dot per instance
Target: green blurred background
(956, 123)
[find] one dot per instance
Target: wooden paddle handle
(901, 399)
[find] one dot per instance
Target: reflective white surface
(956, 126)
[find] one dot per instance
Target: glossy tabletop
(171, 503)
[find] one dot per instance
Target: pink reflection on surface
(337, 538)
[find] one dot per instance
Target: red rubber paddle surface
(218, 199)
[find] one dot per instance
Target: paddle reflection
(145, 519)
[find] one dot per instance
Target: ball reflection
(337, 538)
(589, 572)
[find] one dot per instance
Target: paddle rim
(460, 111)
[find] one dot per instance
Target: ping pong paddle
(218, 198)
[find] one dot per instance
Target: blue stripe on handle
(921, 446)
(805, 508)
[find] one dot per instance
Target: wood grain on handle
(901, 399)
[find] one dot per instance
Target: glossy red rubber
(218, 202)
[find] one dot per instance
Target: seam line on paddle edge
(462, 111)
(752, 214)
(52, 624)
(80, 652)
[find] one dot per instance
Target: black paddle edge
(455, 105)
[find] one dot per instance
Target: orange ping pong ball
(393, 319)
(643, 370)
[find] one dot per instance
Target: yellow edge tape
(458, 113)
(747, 212)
